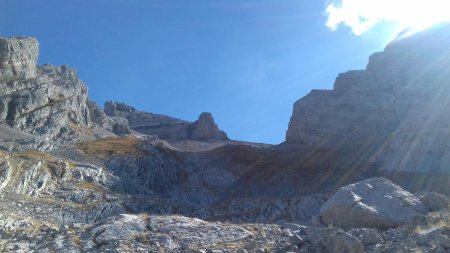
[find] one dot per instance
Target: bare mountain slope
(78, 178)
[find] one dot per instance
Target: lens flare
(362, 15)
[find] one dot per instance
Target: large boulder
(372, 203)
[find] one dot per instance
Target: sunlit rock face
(45, 100)
(397, 110)
(372, 203)
(18, 58)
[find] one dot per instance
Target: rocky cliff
(396, 110)
(78, 178)
(46, 100)
(18, 58)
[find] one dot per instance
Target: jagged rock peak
(206, 129)
(18, 58)
(206, 117)
(396, 109)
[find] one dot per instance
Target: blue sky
(247, 62)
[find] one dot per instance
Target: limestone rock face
(45, 101)
(396, 109)
(165, 127)
(18, 58)
(372, 203)
(51, 104)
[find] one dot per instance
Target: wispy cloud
(362, 15)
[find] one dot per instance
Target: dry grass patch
(230, 246)
(47, 158)
(49, 200)
(144, 216)
(111, 146)
(80, 129)
(439, 219)
(77, 240)
(36, 155)
(90, 186)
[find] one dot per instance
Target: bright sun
(361, 15)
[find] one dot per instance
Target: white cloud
(361, 15)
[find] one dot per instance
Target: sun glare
(361, 15)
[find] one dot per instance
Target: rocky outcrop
(116, 125)
(47, 101)
(51, 104)
(264, 210)
(148, 123)
(18, 58)
(204, 129)
(190, 182)
(373, 203)
(174, 233)
(396, 110)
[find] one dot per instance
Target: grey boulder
(372, 203)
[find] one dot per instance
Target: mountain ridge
(78, 178)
